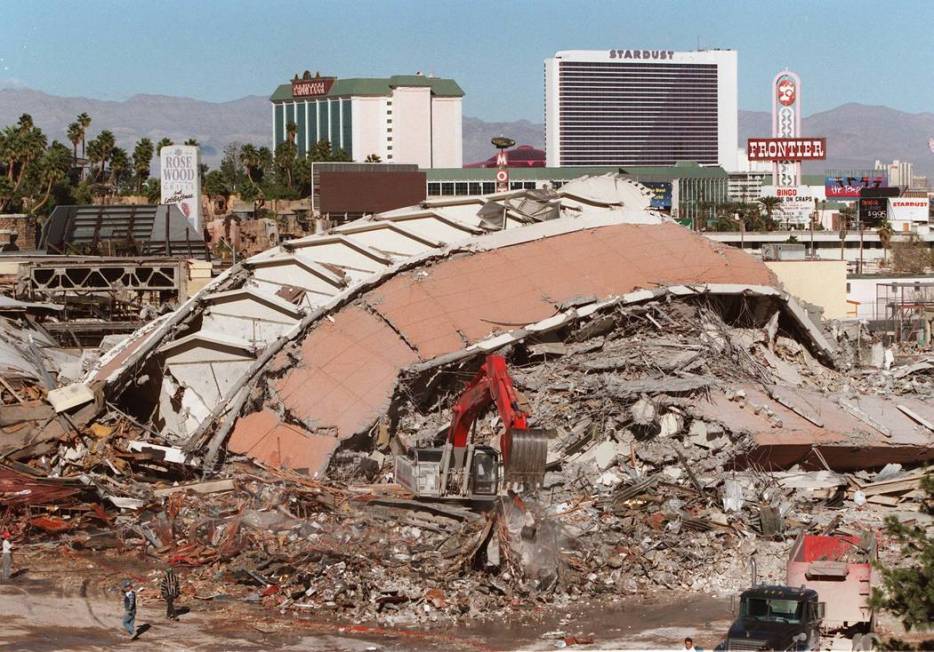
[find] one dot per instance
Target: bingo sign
(181, 181)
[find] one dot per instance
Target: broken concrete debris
(700, 418)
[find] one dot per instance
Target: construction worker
(129, 608)
(7, 562)
(170, 591)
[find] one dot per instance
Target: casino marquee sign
(786, 149)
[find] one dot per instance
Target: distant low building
(523, 156)
(118, 230)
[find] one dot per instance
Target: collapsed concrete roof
(402, 289)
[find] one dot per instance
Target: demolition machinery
(463, 469)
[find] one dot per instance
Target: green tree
(231, 166)
(142, 159)
(885, 233)
(249, 158)
(908, 589)
(75, 136)
(84, 120)
(53, 169)
(100, 149)
(119, 166)
(321, 151)
(284, 161)
(192, 142)
(769, 205)
(165, 142)
(291, 129)
(373, 158)
(216, 184)
(153, 190)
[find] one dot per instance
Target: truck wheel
(857, 642)
(871, 642)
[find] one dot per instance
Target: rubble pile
(647, 488)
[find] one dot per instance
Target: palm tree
(75, 135)
(165, 142)
(291, 129)
(769, 204)
(250, 158)
(84, 120)
(285, 161)
(192, 142)
(29, 147)
(119, 164)
(54, 166)
(885, 237)
(847, 213)
(25, 123)
(142, 157)
(373, 158)
(105, 145)
(95, 156)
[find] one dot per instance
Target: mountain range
(856, 134)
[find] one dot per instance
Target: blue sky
(857, 51)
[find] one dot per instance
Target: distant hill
(857, 134)
(212, 124)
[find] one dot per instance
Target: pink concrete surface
(263, 437)
(349, 366)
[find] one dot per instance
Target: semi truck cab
(777, 618)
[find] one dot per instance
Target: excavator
(464, 470)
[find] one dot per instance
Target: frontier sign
(786, 149)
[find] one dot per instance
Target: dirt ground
(60, 601)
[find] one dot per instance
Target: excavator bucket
(527, 456)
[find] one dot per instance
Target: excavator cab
(462, 469)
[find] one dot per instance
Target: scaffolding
(909, 308)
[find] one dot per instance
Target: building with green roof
(399, 119)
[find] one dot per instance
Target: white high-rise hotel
(641, 107)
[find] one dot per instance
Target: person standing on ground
(7, 562)
(129, 608)
(170, 591)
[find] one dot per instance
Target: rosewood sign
(312, 87)
(786, 149)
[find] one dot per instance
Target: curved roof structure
(407, 288)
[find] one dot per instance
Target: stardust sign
(181, 181)
(786, 149)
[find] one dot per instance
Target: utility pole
(859, 226)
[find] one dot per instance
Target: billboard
(909, 209)
(786, 149)
(843, 187)
(884, 191)
(873, 210)
(181, 180)
(661, 194)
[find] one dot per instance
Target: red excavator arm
(492, 383)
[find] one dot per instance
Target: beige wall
(446, 141)
(369, 127)
(411, 126)
(821, 282)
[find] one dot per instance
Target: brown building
(346, 191)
